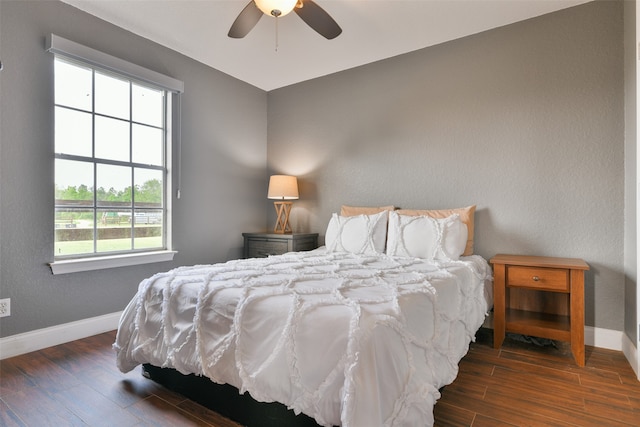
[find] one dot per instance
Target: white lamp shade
(268, 6)
(283, 187)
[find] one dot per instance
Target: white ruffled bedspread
(351, 340)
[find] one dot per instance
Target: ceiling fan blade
(246, 20)
(318, 19)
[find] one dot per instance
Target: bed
(362, 331)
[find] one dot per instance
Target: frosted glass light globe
(276, 8)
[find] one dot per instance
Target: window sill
(113, 261)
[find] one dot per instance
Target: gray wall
(223, 166)
(631, 173)
(526, 121)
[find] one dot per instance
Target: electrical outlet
(5, 307)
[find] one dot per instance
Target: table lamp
(281, 188)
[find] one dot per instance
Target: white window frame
(71, 50)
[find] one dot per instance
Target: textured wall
(526, 121)
(223, 166)
(632, 304)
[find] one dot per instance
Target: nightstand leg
(498, 305)
(577, 316)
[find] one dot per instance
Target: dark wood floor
(520, 385)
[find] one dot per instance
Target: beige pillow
(363, 210)
(466, 216)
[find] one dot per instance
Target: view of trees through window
(150, 191)
(117, 218)
(109, 162)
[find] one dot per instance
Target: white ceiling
(372, 30)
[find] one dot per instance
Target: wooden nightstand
(261, 245)
(539, 296)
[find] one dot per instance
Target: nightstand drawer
(264, 248)
(549, 279)
(305, 243)
(262, 245)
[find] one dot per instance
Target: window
(112, 158)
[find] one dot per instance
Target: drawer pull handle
(536, 278)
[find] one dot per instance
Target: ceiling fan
(312, 14)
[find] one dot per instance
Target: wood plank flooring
(77, 384)
(522, 384)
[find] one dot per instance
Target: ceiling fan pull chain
(276, 33)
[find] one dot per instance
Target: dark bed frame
(226, 400)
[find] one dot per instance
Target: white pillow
(426, 237)
(360, 234)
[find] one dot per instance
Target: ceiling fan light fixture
(276, 8)
(312, 14)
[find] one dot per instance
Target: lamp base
(283, 209)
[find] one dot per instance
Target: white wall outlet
(5, 307)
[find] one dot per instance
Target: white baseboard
(631, 353)
(603, 338)
(27, 342)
